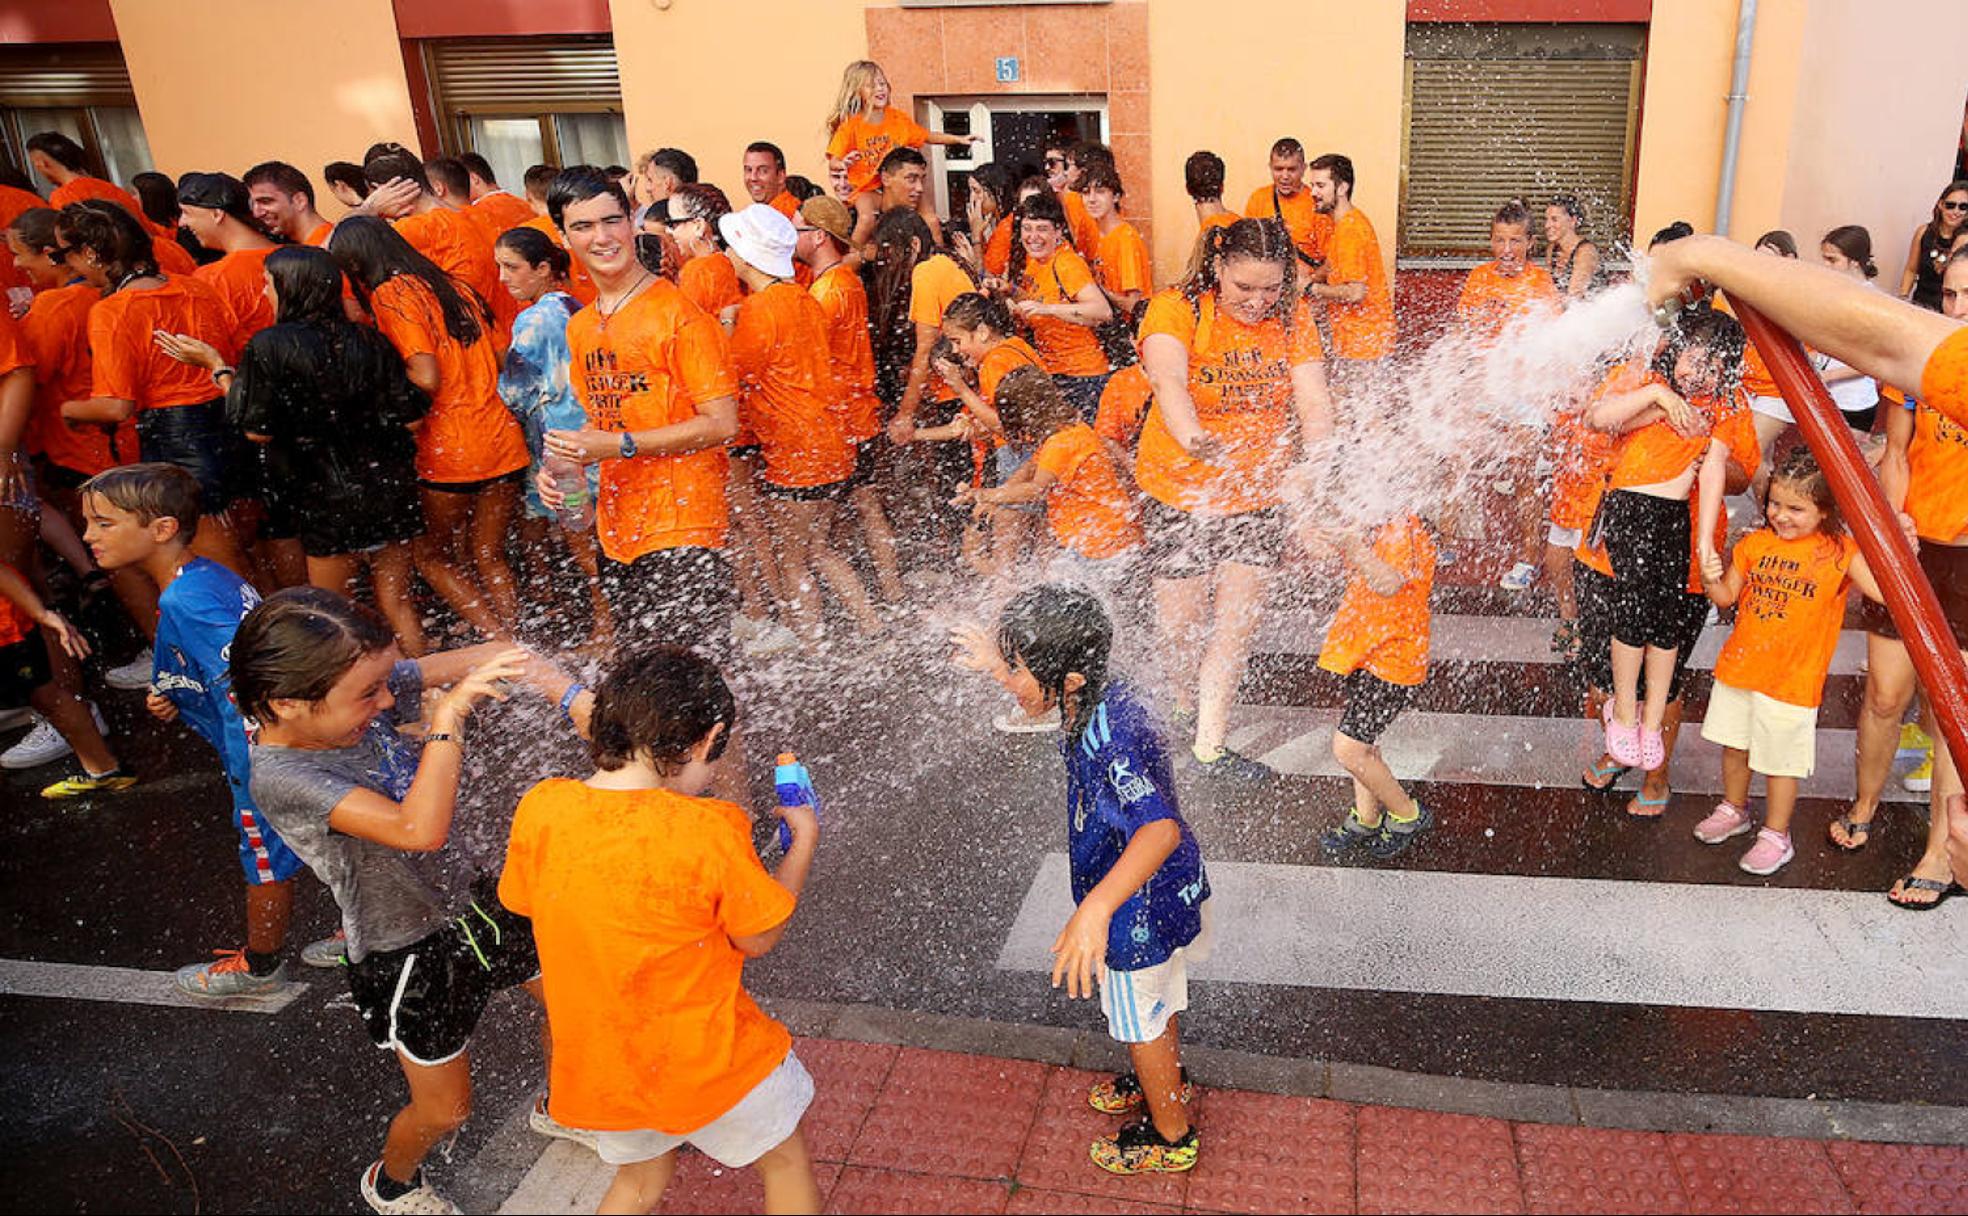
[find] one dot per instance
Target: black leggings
(1647, 541)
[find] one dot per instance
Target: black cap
(220, 190)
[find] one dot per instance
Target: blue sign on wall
(1007, 69)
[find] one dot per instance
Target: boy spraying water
(1137, 872)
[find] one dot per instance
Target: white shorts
(1781, 738)
(1104, 575)
(1139, 1004)
(762, 1120)
(1771, 407)
(1564, 538)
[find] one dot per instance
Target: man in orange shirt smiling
(1287, 199)
(283, 203)
(1358, 302)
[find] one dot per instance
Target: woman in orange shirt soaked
(1240, 392)
(979, 330)
(1057, 295)
(471, 452)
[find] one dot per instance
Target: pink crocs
(1622, 742)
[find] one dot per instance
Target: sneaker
(1919, 780)
(1394, 837)
(1725, 821)
(1019, 724)
(1520, 577)
(421, 1200)
(85, 783)
(1913, 741)
(13, 719)
(1769, 854)
(227, 976)
(544, 1124)
(328, 952)
(1233, 766)
(133, 674)
(770, 638)
(1348, 834)
(1139, 1149)
(42, 745)
(1121, 1094)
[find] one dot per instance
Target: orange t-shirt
(240, 279)
(127, 363)
(933, 284)
(579, 284)
(498, 211)
(873, 140)
(1756, 378)
(1124, 264)
(1386, 634)
(1788, 616)
(1240, 381)
(635, 896)
(711, 283)
(1086, 505)
(13, 202)
(1310, 227)
(1080, 223)
(1222, 219)
(319, 237)
(469, 434)
(1000, 361)
(1491, 300)
(15, 352)
(1123, 405)
(786, 391)
(1937, 480)
(56, 328)
(1065, 348)
(844, 301)
(1657, 452)
(454, 242)
(1944, 381)
(15, 625)
(1364, 330)
(997, 249)
(651, 365)
(1583, 456)
(172, 257)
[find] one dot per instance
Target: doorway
(1014, 131)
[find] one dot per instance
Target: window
(1014, 130)
(1495, 112)
(80, 90)
(523, 102)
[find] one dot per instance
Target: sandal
(1943, 890)
(1601, 778)
(1641, 806)
(1856, 830)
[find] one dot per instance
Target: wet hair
(902, 241)
(281, 176)
(1856, 244)
(1513, 213)
(1055, 631)
(659, 254)
(701, 201)
(1341, 168)
(1779, 240)
(36, 229)
(1267, 240)
(387, 162)
(346, 173)
(307, 283)
(1031, 407)
(119, 242)
(1701, 327)
(536, 181)
(1957, 186)
(677, 163)
(451, 173)
(974, 310)
(60, 149)
(297, 645)
(479, 167)
(662, 701)
(1089, 153)
(1799, 470)
(1570, 205)
(858, 76)
(1678, 230)
(370, 252)
(771, 149)
(802, 188)
(998, 182)
(1202, 176)
(536, 248)
(578, 184)
(158, 196)
(899, 158)
(620, 173)
(1062, 142)
(150, 492)
(1287, 147)
(1103, 176)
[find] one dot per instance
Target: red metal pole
(1909, 597)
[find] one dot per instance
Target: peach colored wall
(1229, 85)
(224, 84)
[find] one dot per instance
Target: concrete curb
(1636, 1110)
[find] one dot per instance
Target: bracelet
(567, 699)
(445, 736)
(222, 371)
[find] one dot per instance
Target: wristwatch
(628, 444)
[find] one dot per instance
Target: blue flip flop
(1610, 775)
(1640, 798)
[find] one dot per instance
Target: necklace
(603, 314)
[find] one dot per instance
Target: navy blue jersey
(196, 618)
(1118, 780)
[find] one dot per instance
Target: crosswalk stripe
(127, 986)
(1560, 939)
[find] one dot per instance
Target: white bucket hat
(762, 236)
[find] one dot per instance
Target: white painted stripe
(127, 986)
(567, 1178)
(1560, 939)
(1499, 749)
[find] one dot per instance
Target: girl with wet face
(1057, 295)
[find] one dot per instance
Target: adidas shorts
(1139, 1004)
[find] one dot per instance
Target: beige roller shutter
(73, 74)
(1501, 112)
(524, 76)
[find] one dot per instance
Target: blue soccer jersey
(1118, 780)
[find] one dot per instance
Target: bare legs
(1207, 625)
(800, 534)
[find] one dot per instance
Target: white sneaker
(44, 743)
(133, 674)
(11, 719)
(424, 1199)
(544, 1124)
(1520, 578)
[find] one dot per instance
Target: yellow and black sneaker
(85, 783)
(1139, 1149)
(1121, 1094)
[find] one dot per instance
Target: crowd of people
(302, 457)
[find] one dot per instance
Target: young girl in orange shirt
(862, 129)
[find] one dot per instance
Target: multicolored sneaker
(1348, 834)
(331, 951)
(228, 975)
(1139, 1149)
(1920, 778)
(1395, 836)
(1121, 1094)
(85, 783)
(1234, 766)
(1913, 741)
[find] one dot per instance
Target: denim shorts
(197, 440)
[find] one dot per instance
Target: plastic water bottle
(576, 511)
(795, 786)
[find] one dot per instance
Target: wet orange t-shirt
(579, 284)
(1000, 361)
(711, 283)
(1123, 405)
(874, 141)
(499, 211)
(786, 391)
(1080, 223)
(1364, 330)
(651, 365)
(1311, 229)
(127, 363)
(1491, 300)
(1386, 634)
(469, 434)
(997, 249)
(1657, 452)
(172, 258)
(240, 279)
(1222, 219)
(56, 328)
(1240, 381)
(452, 240)
(1788, 616)
(635, 897)
(1944, 381)
(1065, 348)
(1124, 264)
(1088, 509)
(15, 352)
(933, 284)
(844, 301)
(1756, 378)
(1583, 456)
(1937, 475)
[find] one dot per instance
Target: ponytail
(1267, 240)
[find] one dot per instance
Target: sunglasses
(1055, 162)
(1954, 206)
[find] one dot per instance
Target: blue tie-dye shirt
(537, 386)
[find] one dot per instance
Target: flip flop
(1943, 891)
(1860, 830)
(1610, 774)
(1656, 805)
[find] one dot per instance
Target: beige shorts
(761, 1121)
(1781, 738)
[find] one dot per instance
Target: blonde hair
(859, 75)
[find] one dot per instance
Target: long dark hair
(536, 248)
(975, 310)
(1800, 471)
(119, 242)
(1031, 407)
(1717, 333)
(1855, 243)
(1267, 240)
(371, 253)
(297, 644)
(158, 196)
(307, 283)
(1936, 225)
(1056, 630)
(902, 242)
(1046, 208)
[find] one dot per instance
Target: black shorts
(865, 461)
(1186, 544)
(425, 999)
(833, 491)
(1595, 625)
(747, 451)
(680, 597)
(1372, 704)
(1083, 393)
(472, 487)
(58, 477)
(198, 440)
(23, 668)
(1862, 420)
(1946, 567)
(1647, 543)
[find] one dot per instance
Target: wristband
(445, 736)
(222, 371)
(567, 699)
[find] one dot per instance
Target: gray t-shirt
(385, 904)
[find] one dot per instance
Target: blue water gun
(795, 786)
